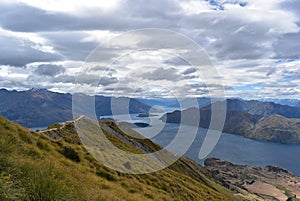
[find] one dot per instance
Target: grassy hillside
(34, 166)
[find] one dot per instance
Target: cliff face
(270, 182)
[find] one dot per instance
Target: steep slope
(40, 107)
(273, 128)
(53, 165)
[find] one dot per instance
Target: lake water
(233, 148)
(38, 128)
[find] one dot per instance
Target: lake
(233, 148)
(38, 128)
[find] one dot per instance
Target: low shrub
(70, 153)
(106, 175)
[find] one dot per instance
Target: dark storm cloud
(49, 69)
(19, 52)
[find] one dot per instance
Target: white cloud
(74, 7)
(192, 7)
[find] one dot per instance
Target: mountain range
(289, 102)
(40, 107)
(261, 108)
(253, 119)
(274, 127)
(289, 108)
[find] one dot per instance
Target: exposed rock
(270, 182)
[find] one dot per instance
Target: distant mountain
(190, 102)
(262, 108)
(167, 102)
(103, 106)
(273, 128)
(254, 107)
(289, 102)
(174, 103)
(40, 107)
(35, 108)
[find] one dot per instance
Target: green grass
(43, 184)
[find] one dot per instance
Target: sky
(253, 45)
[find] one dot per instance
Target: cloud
(64, 79)
(70, 44)
(49, 69)
(17, 51)
(130, 15)
(288, 46)
(161, 73)
(96, 80)
(24, 18)
(249, 41)
(291, 6)
(189, 71)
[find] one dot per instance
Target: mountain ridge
(256, 107)
(40, 107)
(274, 128)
